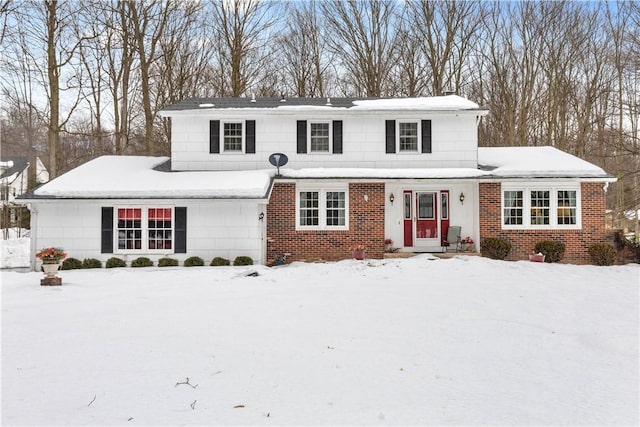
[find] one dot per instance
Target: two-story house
(359, 171)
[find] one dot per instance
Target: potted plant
(51, 258)
(357, 251)
(539, 257)
(388, 245)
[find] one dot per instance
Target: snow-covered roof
(535, 162)
(432, 104)
(125, 177)
(137, 177)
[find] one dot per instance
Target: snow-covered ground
(14, 252)
(418, 341)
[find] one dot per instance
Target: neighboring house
(359, 171)
(14, 178)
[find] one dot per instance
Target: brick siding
(577, 242)
(366, 226)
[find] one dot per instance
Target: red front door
(408, 218)
(426, 215)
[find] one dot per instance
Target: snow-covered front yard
(418, 341)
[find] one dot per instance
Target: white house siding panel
(454, 140)
(225, 228)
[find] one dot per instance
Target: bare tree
(242, 28)
(365, 42)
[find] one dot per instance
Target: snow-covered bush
(71, 264)
(167, 262)
(495, 247)
(243, 260)
(194, 261)
(115, 262)
(602, 254)
(551, 249)
(91, 263)
(219, 261)
(142, 261)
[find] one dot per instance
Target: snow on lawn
(419, 341)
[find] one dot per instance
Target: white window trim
(311, 122)
(322, 206)
(244, 135)
(144, 230)
(553, 207)
(419, 136)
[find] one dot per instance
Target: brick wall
(523, 241)
(366, 226)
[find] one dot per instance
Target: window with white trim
(322, 209)
(233, 136)
(144, 229)
(408, 136)
(319, 137)
(540, 208)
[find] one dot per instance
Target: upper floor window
(232, 135)
(534, 208)
(319, 137)
(408, 136)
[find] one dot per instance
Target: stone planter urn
(50, 268)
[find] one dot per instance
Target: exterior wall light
(462, 198)
(391, 198)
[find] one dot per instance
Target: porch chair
(454, 237)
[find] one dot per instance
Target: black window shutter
(301, 137)
(214, 136)
(390, 135)
(426, 136)
(250, 139)
(106, 231)
(181, 230)
(337, 137)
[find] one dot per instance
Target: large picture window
(144, 229)
(534, 208)
(322, 209)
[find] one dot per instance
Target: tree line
(83, 78)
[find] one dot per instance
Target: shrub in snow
(91, 263)
(115, 262)
(219, 261)
(142, 261)
(167, 262)
(602, 254)
(495, 247)
(71, 264)
(243, 260)
(553, 251)
(194, 261)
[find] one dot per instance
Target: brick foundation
(523, 241)
(366, 226)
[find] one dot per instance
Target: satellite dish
(278, 159)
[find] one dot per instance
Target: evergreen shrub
(219, 261)
(167, 262)
(71, 264)
(243, 260)
(552, 250)
(91, 263)
(142, 261)
(115, 263)
(194, 261)
(602, 254)
(495, 247)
